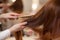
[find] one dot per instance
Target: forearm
(4, 34)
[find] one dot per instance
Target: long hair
(49, 16)
(17, 6)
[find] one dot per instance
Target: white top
(4, 34)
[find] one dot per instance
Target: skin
(17, 27)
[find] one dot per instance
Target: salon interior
(30, 9)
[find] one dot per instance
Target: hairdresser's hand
(17, 27)
(9, 15)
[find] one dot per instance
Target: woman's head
(17, 6)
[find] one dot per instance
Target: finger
(15, 14)
(24, 23)
(22, 27)
(12, 17)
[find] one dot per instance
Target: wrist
(11, 30)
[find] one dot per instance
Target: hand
(9, 15)
(18, 27)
